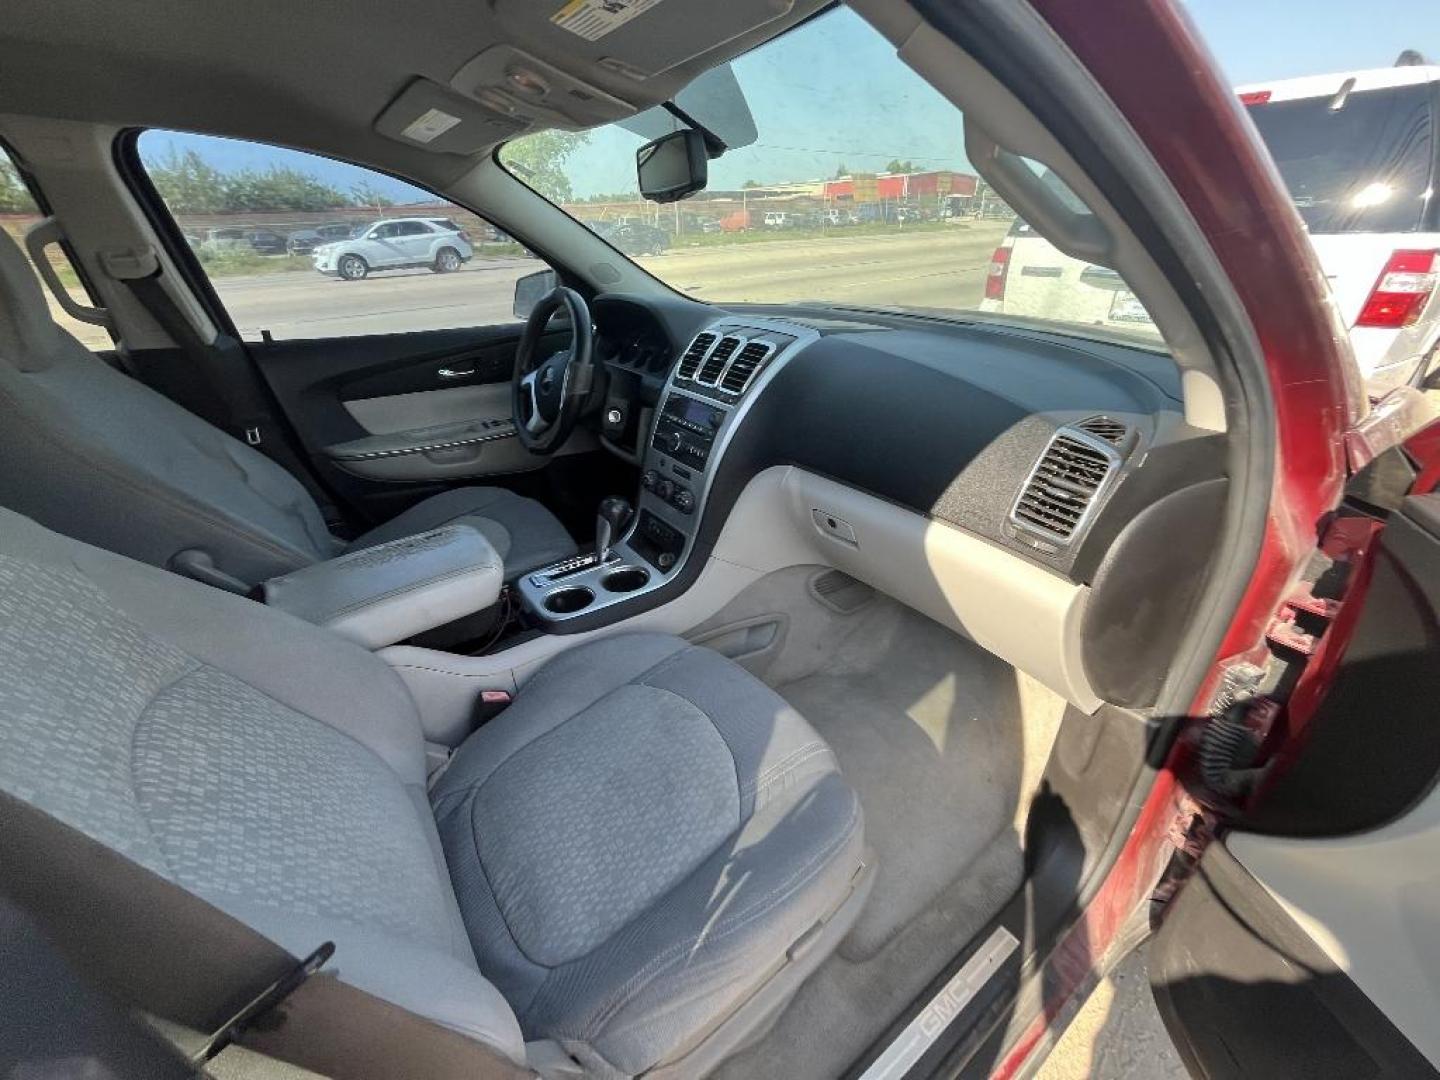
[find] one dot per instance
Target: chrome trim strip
(504, 433)
(942, 1010)
(1094, 442)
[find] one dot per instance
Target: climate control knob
(684, 500)
(648, 479)
(665, 488)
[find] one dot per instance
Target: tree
(898, 166)
(539, 160)
(842, 170)
(14, 198)
(280, 188)
(367, 194)
(188, 184)
(751, 184)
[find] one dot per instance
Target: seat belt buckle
(252, 436)
(262, 1003)
(490, 704)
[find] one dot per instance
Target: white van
(1358, 153)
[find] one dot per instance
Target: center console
(704, 400)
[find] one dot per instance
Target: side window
(307, 247)
(18, 211)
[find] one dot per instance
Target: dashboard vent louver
(1102, 427)
(715, 362)
(690, 362)
(743, 368)
(1061, 490)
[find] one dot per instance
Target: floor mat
(933, 799)
(942, 742)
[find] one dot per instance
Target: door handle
(455, 373)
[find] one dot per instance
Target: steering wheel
(547, 393)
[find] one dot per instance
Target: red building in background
(901, 186)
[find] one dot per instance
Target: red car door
(1299, 910)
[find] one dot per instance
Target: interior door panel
(1309, 943)
(417, 409)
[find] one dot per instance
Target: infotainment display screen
(696, 412)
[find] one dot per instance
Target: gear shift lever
(610, 521)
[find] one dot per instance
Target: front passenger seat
(102, 457)
(637, 862)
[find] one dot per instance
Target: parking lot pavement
(1118, 1035)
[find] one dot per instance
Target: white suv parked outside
(1359, 154)
(394, 244)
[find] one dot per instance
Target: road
(1118, 1034)
(940, 269)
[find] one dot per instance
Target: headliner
(314, 74)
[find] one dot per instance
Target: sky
(834, 94)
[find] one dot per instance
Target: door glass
(291, 244)
(1359, 163)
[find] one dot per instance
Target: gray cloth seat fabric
(623, 856)
(101, 457)
(638, 841)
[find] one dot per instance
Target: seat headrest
(28, 335)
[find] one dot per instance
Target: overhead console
(578, 65)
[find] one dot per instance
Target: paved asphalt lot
(1118, 1035)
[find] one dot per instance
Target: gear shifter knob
(610, 521)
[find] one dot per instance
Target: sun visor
(433, 118)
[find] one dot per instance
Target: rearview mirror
(673, 166)
(531, 289)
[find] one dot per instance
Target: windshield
(845, 182)
(1360, 162)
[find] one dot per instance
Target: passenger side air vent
(1102, 427)
(690, 361)
(715, 362)
(1061, 491)
(743, 368)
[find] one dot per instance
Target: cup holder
(567, 601)
(625, 579)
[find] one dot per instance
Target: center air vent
(1102, 427)
(690, 362)
(715, 362)
(1061, 491)
(745, 365)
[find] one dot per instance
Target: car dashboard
(1062, 468)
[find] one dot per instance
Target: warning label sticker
(593, 19)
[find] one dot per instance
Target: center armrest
(387, 593)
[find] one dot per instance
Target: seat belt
(163, 951)
(246, 412)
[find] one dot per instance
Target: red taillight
(1255, 97)
(1404, 288)
(995, 279)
